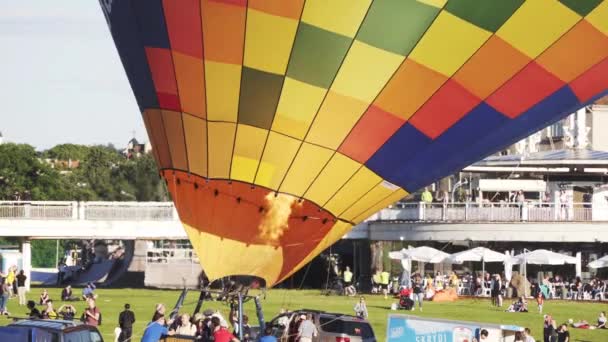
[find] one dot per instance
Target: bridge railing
(492, 212)
(47, 210)
(112, 211)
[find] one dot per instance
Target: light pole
(458, 185)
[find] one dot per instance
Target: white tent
(599, 263)
(424, 254)
(477, 254)
(480, 254)
(543, 257)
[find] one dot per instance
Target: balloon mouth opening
(238, 283)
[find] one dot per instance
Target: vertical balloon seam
(329, 89)
(320, 105)
(238, 113)
(280, 94)
(180, 113)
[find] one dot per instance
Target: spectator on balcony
(521, 198)
(426, 196)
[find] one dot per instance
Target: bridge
(543, 222)
(574, 222)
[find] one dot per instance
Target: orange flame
(276, 219)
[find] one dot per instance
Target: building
(135, 149)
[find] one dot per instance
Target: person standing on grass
(384, 280)
(155, 330)
(125, 322)
(4, 295)
(307, 330)
(528, 336)
(268, 337)
(220, 333)
(418, 286)
(21, 278)
(92, 315)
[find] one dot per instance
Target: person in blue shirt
(89, 292)
(155, 330)
(268, 337)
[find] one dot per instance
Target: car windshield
(352, 328)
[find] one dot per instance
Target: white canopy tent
(545, 257)
(422, 254)
(479, 254)
(599, 263)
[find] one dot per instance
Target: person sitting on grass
(44, 297)
(521, 305)
(67, 294)
(88, 292)
(34, 313)
(601, 320)
(67, 312)
(49, 311)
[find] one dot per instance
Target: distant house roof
(565, 157)
(134, 141)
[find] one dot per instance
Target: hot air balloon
(278, 125)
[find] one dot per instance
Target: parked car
(49, 330)
(332, 327)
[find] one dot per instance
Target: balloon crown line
(261, 209)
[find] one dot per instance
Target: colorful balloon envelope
(278, 125)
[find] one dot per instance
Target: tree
(67, 151)
(24, 175)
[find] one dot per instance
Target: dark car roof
(51, 324)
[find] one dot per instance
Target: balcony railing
(492, 212)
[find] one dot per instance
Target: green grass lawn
(142, 302)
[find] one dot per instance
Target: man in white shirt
(527, 336)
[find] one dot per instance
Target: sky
(61, 80)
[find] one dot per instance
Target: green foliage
(44, 253)
(67, 151)
(23, 172)
(103, 174)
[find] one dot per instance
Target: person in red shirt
(221, 334)
(92, 314)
